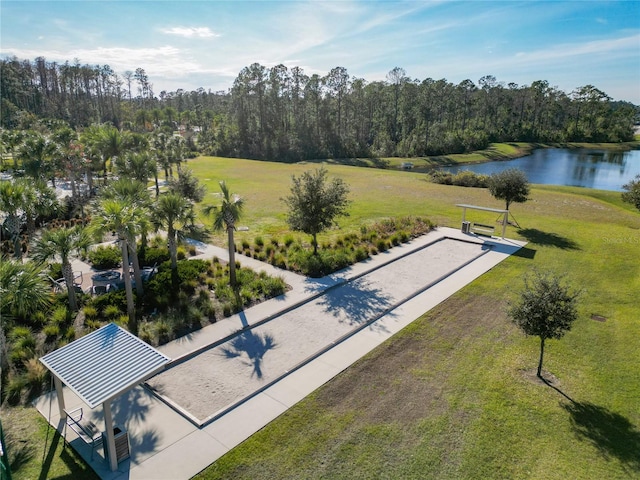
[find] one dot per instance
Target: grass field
(454, 395)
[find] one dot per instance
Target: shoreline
(499, 152)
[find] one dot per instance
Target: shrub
(246, 245)
(15, 386)
(117, 298)
(163, 331)
(92, 324)
(181, 253)
(155, 256)
(111, 312)
(61, 315)
(467, 178)
(382, 245)
(145, 332)
(70, 334)
(441, 177)
(23, 344)
(192, 250)
(35, 376)
(39, 318)
(103, 258)
(361, 254)
(90, 312)
(51, 331)
(288, 240)
(259, 241)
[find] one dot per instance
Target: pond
(600, 169)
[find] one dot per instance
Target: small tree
(510, 185)
(188, 186)
(314, 203)
(547, 308)
(632, 192)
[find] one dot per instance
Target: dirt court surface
(223, 375)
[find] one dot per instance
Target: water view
(599, 169)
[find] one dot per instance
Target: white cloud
(165, 61)
(613, 46)
(189, 32)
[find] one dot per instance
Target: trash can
(466, 227)
(121, 438)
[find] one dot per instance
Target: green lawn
(453, 395)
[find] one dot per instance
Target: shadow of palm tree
(611, 433)
(548, 238)
(254, 345)
(131, 406)
(356, 302)
(144, 442)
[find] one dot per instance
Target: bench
(84, 429)
(483, 229)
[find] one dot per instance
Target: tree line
(281, 113)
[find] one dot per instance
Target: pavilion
(101, 366)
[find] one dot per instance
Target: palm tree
(13, 200)
(120, 216)
(174, 213)
(141, 166)
(160, 144)
(135, 193)
(108, 140)
(40, 157)
(226, 216)
(62, 243)
(23, 288)
(40, 200)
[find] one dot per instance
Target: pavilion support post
(111, 442)
(60, 393)
(505, 220)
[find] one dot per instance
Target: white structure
(100, 367)
(505, 214)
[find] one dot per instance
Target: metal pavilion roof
(104, 364)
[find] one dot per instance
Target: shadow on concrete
(254, 345)
(355, 302)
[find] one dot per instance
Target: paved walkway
(172, 443)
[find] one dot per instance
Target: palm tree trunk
(90, 181)
(67, 273)
(541, 355)
(12, 224)
(136, 266)
(232, 257)
(131, 313)
(173, 250)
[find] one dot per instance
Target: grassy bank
(454, 394)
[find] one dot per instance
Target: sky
(206, 43)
